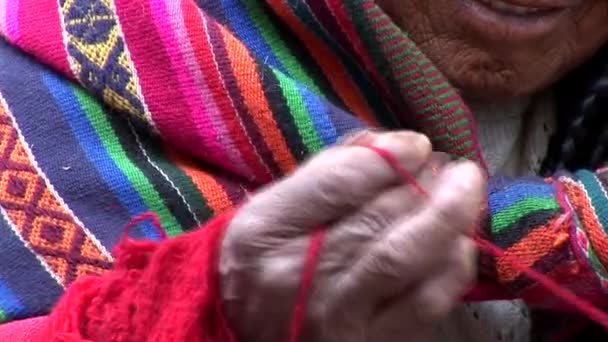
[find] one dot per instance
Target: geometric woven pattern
(97, 53)
(37, 215)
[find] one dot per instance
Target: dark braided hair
(581, 139)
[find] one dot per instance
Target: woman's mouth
(502, 21)
(514, 9)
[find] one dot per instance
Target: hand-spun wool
(157, 291)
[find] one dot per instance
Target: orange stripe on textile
(535, 245)
(245, 71)
(215, 195)
(339, 77)
(586, 215)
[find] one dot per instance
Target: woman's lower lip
(500, 23)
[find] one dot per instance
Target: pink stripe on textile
(158, 82)
(38, 31)
(218, 73)
(186, 85)
(27, 330)
(11, 20)
(3, 5)
(204, 110)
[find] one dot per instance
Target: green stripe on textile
(405, 66)
(354, 70)
(511, 214)
(597, 196)
(596, 263)
(140, 182)
(192, 197)
(271, 37)
(388, 37)
(300, 114)
(442, 85)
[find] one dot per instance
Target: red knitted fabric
(158, 291)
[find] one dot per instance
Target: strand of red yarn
(312, 256)
(149, 215)
(565, 294)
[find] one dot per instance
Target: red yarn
(145, 216)
(299, 311)
(167, 291)
(556, 289)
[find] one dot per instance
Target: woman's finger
(351, 232)
(417, 310)
(350, 235)
(436, 296)
(412, 247)
(334, 183)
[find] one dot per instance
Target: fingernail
(422, 142)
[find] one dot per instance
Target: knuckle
(341, 182)
(388, 260)
(455, 210)
(357, 136)
(334, 155)
(333, 183)
(242, 233)
(467, 261)
(412, 148)
(433, 308)
(467, 180)
(463, 276)
(279, 273)
(373, 222)
(437, 297)
(446, 214)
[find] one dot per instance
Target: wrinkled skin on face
(494, 59)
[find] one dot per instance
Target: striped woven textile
(113, 108)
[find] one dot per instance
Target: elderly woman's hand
(391, 264)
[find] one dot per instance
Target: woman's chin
(493, 87)
(477, 75)
(503, 48)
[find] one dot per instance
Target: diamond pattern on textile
(38, 215)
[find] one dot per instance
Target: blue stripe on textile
(248, 33)
(27, 289)
(9, 303)
(55, 148)
(518, 191)
(95, 150)
(318, 112)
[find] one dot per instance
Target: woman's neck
(500, 132)
(514, 134)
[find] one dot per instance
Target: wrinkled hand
(392, 262)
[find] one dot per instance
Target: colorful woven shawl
(112, 108)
